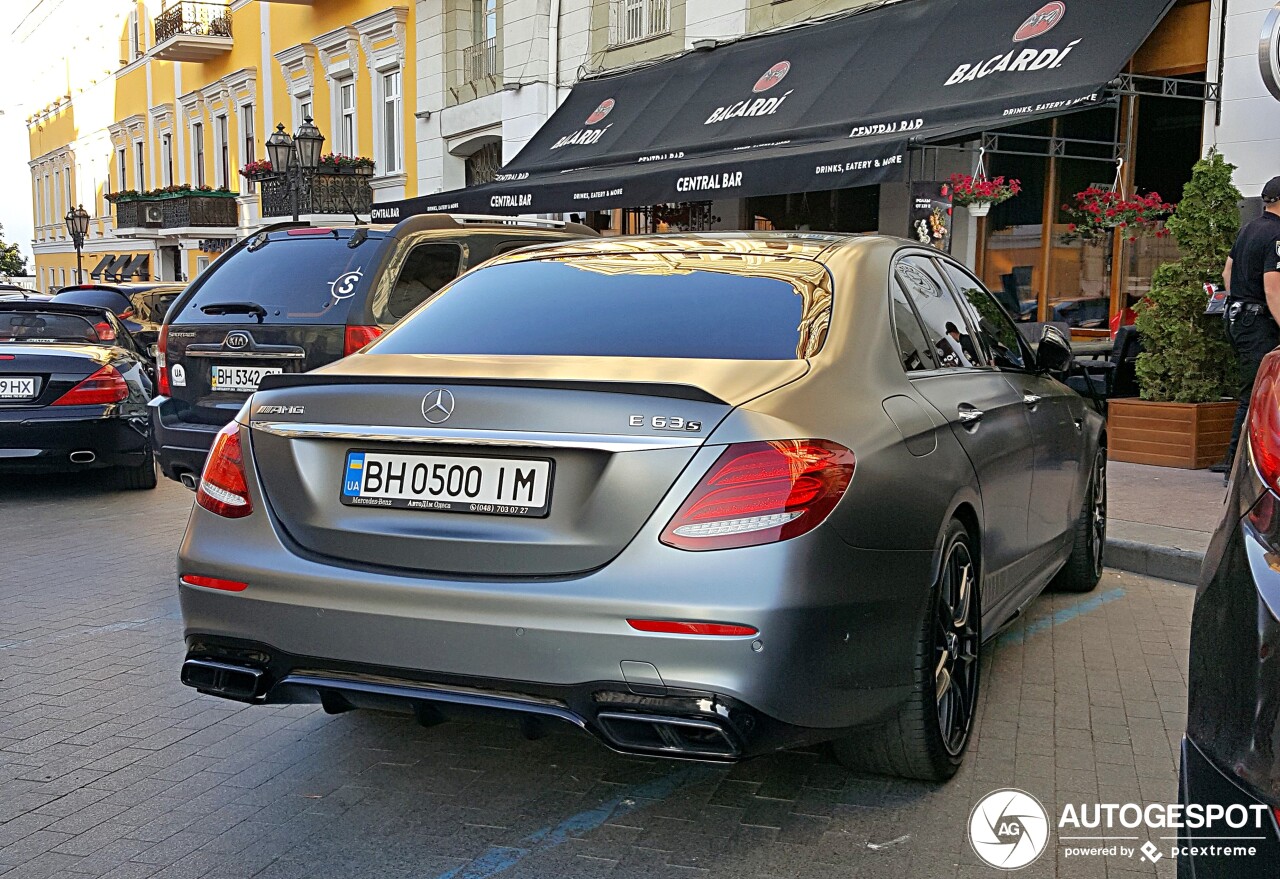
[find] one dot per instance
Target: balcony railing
(178, 212)
(343, 194)
(191, 18)
(631, 21)
(481, 60)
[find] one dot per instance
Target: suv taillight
(104, 387)
(223, 488)
(357, 337)
(1264, 422)
(762, 492)
(162, 361)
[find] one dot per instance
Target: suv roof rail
(424, 222)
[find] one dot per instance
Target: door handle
(1031, 399)
(969, 415)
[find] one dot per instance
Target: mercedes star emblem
(437, 406)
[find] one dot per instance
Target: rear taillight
(162, 362)
(104, 387)
(106, 333)
(1264, 422)
(358, 337)
(223, 488)
(759, 493)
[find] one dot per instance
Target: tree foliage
(1187, 358)
(12, 262)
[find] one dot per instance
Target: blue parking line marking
(500, 858)
(1066, 615)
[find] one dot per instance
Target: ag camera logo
(1008, 829)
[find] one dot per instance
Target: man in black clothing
(1252, 277)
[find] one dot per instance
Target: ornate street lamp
(294, 159)
(78, 226)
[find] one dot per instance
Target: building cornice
(389, 24)
(298, 59)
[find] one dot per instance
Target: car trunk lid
(54, 370)
(609, 435)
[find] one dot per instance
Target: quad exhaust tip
(83, 456)
(222, 678)
(672, 736)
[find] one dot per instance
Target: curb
(1163, 562)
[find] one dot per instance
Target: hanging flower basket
(979, 194)
(257, 171)
(1095, 213)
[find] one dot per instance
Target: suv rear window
(714, 307)
(297, 279)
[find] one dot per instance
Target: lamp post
(295, 158)
(78, 226)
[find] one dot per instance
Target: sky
(15, 176)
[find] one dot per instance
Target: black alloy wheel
(956, 647)
(1098, 513)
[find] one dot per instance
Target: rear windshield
(35, 327)
(716, 307)
(296, 279)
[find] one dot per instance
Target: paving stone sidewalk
(110, 768)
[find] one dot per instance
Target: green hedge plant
(1186, 356)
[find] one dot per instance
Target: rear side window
(914, 352)
(996, 331)
(627, 305)
(949, 337)
(153, 305)
(294, 279)
(427, 268)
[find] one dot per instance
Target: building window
(483, 164)
(166, 157)
(39, 194)
(249, 150)
(347, 117)
(140, 163)
(303, 110)
(135, 37)
(392, 124)
(197, 146)
(122, 169)
(480, 60)
(57, 187)
(222, 146)
(633, 20)
(202, 263)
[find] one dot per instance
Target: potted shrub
(1188, 365)
(978, 194)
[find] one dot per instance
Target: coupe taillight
(223, 489)
(162, 362)
(1264, 422)
(760, 493)
(357, 337)
(104, 387)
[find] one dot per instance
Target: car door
(985, 413)
(1055, 411)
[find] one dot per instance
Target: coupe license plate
(240, 378)
(493, 486)
(17, 387)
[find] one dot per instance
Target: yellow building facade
(196, 90)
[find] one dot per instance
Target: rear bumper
(834, 649)
(45, 440)
(181, 446)
(1202, 854)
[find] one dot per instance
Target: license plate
(493, 486)
(17, 387)
(240, 378)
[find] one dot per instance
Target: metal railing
(343, 194)
(633, 20)
(192, 18)
(180, 212)
(481, 60)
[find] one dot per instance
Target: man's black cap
(1271, 192)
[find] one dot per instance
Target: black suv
(293, 297)
(141, 307)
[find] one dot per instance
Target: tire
(141, 478)
(927, 739)
(1083, 569)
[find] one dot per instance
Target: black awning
(102, 264)
(113, 269)
(137, 267)
(823, 106)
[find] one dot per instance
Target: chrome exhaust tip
(222, 678)
(669, 736)
(83, 456)
(188, 479)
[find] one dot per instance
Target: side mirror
(1054, 352)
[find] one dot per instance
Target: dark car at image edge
(293, 297)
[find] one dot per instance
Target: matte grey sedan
(702, 496)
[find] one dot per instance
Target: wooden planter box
(1187, 435)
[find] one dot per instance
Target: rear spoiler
(24, 305)
(280, 381)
